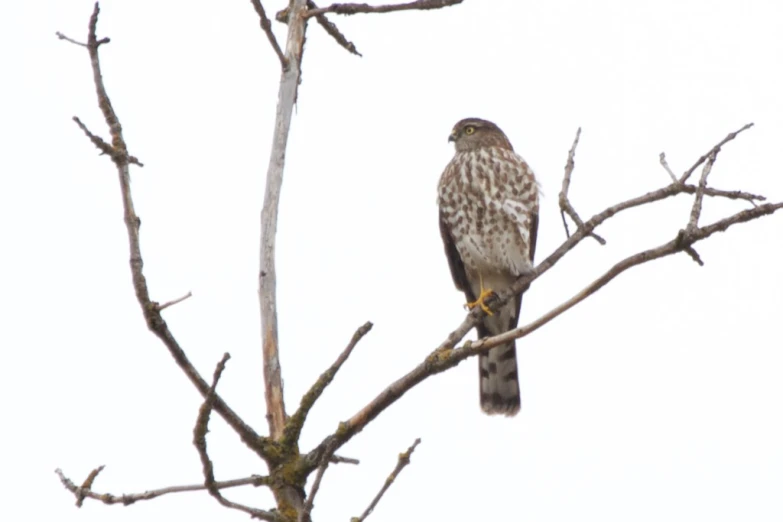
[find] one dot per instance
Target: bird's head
(474, 133)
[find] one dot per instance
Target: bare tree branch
(266, 26)
(402, 460)
(267, 280)
(714, 150)
(105, 148)
(693, 223)
(294, 425)
(200, 442)
(85, 490)
(304, 515)
(333, 31)
(351, 9)
(119, 155)
(565, 204)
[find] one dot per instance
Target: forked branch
(126, 499)
(117, 150)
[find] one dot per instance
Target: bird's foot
(481, 301)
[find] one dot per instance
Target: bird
(488, 213)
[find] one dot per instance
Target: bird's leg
(483, 296)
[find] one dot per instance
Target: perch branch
(266, 26)
(351, 9)
(402, 460)
(200, 442)
(85, 491)
(445, 356)
(565, 205)
(150, 309)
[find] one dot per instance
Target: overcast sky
(659, 398)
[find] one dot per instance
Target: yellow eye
(470, 129)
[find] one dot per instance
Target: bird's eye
(470, 129)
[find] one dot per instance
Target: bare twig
(351, 9)
(337, 459)
(82, 492)
(266, 25)
(174, 301)
(304, 515)
(728, 194)
(114, 153)
(61, 36)
(295, 423)
(565, 204)
(152, 314)
(402, 460)
(200, 442)
(333, 31)
(665, 165)
(714, 150)
(699, 197)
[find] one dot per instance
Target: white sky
(657, 399)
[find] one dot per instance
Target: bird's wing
(458, 273)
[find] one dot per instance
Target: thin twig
(337, 459)
(714, 150)
(266, 25)
(332, 30)
(296, 422)
(402, 460)
(130, 498)
(114, 153)
(61, 36)
(565, 204)
(665, 165)
(351, 9)
(304, 515)
(728, 194)
(699, 197)
(174, 301)
(200, 442)
(152, 315)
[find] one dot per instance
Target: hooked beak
(453, 136)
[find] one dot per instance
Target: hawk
(488, 200)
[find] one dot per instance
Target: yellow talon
(485, 294)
